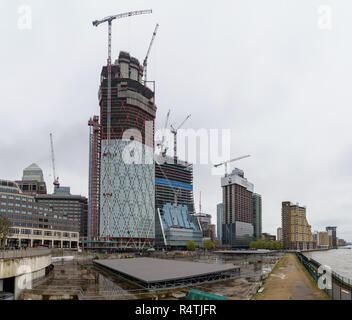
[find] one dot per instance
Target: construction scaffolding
(94, 178)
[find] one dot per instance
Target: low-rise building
(268, 237)
(323, 240)
(33, 223)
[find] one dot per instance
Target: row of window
(18, 198)
(40, 232)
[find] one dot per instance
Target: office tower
(174, 182)
(237, 227)
(122, 174)
(32, 180)
(257, 216)
(219, 215)
(74, 208)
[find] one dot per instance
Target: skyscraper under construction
(122, 172)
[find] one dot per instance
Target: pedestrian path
(290, 281)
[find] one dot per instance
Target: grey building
(32, 182)
(71, 207)
(219, 215)
(257, 216)
(332, 234)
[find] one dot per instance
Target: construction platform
(156, 274)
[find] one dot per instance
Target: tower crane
(109, 20)
(229, 161)
(145, 62)
(56, 179)
(160, 144)
(174, 132)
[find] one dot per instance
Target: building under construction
(121, 169)
(175, 226)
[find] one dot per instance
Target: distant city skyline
(284, 92)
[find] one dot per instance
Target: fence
(23, 253)
(341, 287)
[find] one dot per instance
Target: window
(3, 196)
(47, 233)
(25, 231)
(37, 232)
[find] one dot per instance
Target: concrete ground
(290, 281)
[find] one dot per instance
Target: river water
(339, 260)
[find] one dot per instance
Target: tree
(4, 231)
(208, 244)
(191, 245)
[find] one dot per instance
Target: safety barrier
(341, 287)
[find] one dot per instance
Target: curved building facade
(127, 173)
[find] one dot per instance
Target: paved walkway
(290, 281)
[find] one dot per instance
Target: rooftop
(149, 271)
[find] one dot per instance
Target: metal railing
(23, 253)
(312, 267)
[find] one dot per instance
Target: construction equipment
(160, 144)
(174, 132)
(145, 62)
(109, 20)
(56, 179)
(229, 161)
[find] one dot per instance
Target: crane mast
(109, 20)
(160, 144)
(145, 62)
(56, 179)
(174, 132)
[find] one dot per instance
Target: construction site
(135, 202)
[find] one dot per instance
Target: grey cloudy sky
(262, 68)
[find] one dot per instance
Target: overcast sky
(271, 71)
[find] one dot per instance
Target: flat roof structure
(154, 274)
(260, 251)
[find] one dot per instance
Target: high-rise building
(32, 180)
(257, 216)
(279, 234)
(332, 234)
(122, 172)
(237, 226)
(174, 182)
(219, 215)
(296, 232)
(94, 179)
(174, 176)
